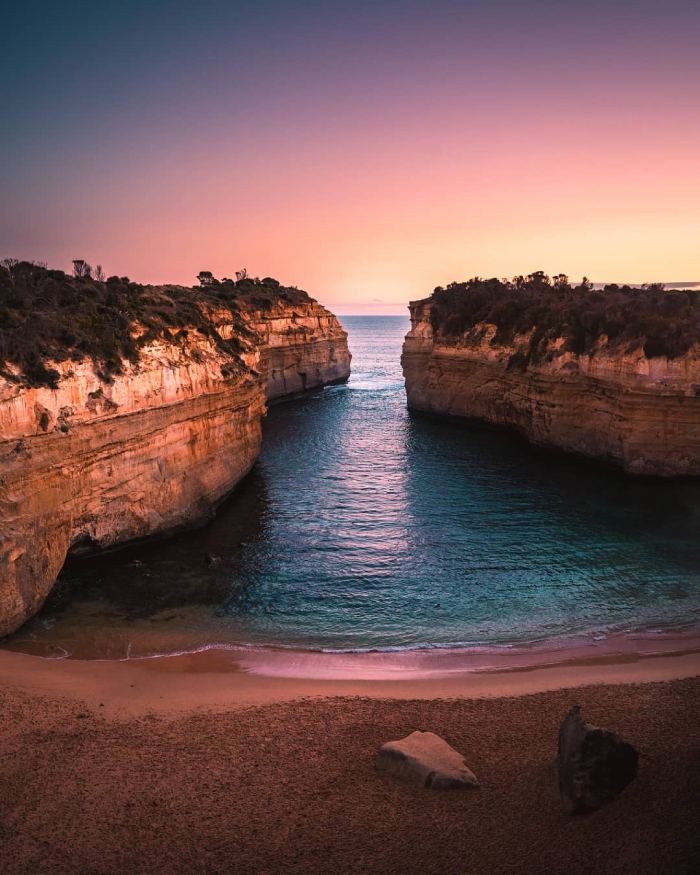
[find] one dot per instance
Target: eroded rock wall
(92, 465)
(303, 348)
(641, 414)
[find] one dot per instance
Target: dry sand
(290, 787)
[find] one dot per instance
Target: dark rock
(595, 765)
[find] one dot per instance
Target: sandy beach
(193, 764)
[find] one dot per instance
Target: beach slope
(291, 787)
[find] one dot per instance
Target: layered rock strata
(302, 349)
(92, 465)
(642, 414)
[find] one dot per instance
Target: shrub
(48, 316)
(661, 323)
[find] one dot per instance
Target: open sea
(364, 527)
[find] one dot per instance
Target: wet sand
(193, 764)
(216, 680)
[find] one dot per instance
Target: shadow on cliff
(194, 567)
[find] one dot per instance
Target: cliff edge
(130, 411)
(612, 374)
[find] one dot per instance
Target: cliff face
(303, 348)
(91, 465)
(641, 414)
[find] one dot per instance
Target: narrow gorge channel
(363, 527)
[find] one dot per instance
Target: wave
(598, 638)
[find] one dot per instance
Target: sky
(364, 151)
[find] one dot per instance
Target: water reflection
(539, 544)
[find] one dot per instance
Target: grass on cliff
(48, 316)
(662, 323)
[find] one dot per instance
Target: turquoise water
(366, 527)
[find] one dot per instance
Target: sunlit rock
(425, 760)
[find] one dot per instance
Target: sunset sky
(363, 151)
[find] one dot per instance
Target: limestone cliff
(94, 463)
(302, 349)
(640, 413)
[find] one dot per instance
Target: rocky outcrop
(302, 349)
(595, 765)
(426, 760)
(640, 413)
(94, 464)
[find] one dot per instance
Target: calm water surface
(365, 527)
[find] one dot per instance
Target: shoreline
(421, 659)
(223, 679)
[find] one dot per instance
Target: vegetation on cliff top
(662, 323)
(49, 316)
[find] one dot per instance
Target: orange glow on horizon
(368, 174)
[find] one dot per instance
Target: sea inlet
(364, 527)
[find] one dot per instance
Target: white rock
(425, 760)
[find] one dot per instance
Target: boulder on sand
(425, 760)
(595, 765)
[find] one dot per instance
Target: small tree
(205, 277)
(241, 275)
(538, 277)
(99, 274)
(81, 268)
